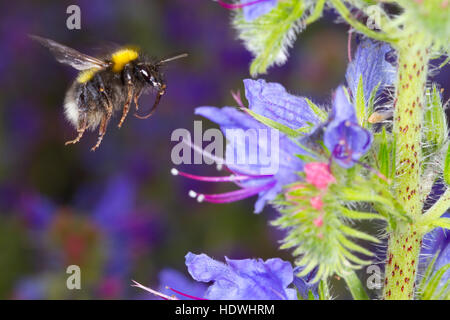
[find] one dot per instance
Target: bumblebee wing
(70, 56)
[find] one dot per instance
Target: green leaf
(358, 234)
(360, 103)
(447, 167)
(273, 124)
(355, 286)
(269, 36)
(426, 276)
(324, 292)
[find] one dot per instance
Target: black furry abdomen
(93, 98)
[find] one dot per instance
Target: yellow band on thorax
(86, 75)
(122, 57)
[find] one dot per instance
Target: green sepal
(320, 113)
(435, 124)
(433, 289)
(269, 36)
(360, 104)
(359, 215)
(273, 124)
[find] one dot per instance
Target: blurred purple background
(117, 212)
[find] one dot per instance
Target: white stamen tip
(192, 194)
(219, 166)
(200, 198)
(174, 172)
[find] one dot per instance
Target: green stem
(345, 13)
(406, 239)
(355, 286)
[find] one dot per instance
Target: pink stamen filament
(185, 295)
(233, 195)
(233, 6)
(237, 97)
(231, 178)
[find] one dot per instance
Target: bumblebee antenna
(183, 55)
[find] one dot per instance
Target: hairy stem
(405, 241)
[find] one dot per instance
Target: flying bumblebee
(106, 86)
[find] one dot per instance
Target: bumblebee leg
(136, 98)
(101, 131)
(107, 105)
(158, 98)
(81, 129)
(126, 106)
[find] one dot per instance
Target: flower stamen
(156, 293)
(231, 196)
(230, 178)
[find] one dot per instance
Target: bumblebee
(105, 86)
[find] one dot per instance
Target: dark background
(117, 212)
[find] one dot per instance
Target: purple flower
(247, 279)
(370, 63)
(32, 288)
(127, 232)
(252, 9)
(437, 242)
(38, 211)
(259, 177)
(343, 137)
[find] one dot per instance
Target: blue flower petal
(370, 62)
(176, 280)
(303, 284)
(253, 11)
(203, 268)
(343, 137)
(342, 109)
(248, 279)
(272, 101)
(437, 242)
(281, 161)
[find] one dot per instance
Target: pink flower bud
(316, 202)
(319, 175)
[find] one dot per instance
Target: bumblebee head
(151, 75)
